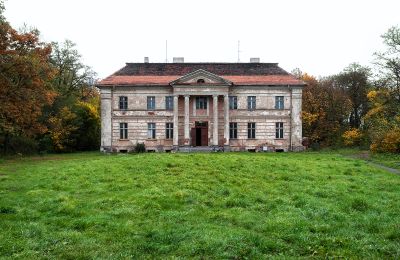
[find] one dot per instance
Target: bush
(352, 137)
(140, 148)
(19, 144)
(390, 143)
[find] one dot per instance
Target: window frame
(233, 130)
(151, 130)
(123, 102)
(251, 130)
(169, 103)
(123, 131)
(169, 130)
(233, 104)
(201, 102)
(279, 102)
(151, 102)
(279, 130)
(251, 103)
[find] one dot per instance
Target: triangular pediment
(201, 77)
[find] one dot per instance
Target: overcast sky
(319, 37)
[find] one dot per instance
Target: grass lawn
(233, 205)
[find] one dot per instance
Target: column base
(227, 148)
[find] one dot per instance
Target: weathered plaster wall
(265, 116)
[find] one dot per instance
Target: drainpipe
(112, 113)
(290, 121)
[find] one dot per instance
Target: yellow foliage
(352, 137)
(390, 143)
(61, 128)
(371, 95)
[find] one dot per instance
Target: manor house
(182, 106)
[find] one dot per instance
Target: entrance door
(200, 134)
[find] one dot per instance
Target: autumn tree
(325, 110)
(354, 80)
(25, 73)
(388, 62)
(74, 121)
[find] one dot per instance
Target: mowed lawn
(232, 205)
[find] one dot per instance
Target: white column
(186, 120)
(215, 115)
(226, 116)
(106, 116)
(176, 122)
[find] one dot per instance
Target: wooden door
(193, 135)
(204, 136)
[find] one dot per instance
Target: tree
(388, 62)
(25, 74)
(325, 110)
(354, 80)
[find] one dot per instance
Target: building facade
(178, 106)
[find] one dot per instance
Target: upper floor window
(123, 130)
(169, 102)
(279, 130)
(233, 130)
(169, 130)
(123, 102)
(251, 102)
(151, 102)
(151, 130)
(251, 130)
(279, 102)
(232, 102)
(201, 102)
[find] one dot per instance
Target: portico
(211, 116)
(197, 84)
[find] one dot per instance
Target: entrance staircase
(200, 149)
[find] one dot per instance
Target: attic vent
(178, 60)
(200, 81)
(254, 60)
(146, 59)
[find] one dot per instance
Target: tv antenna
(238, 51)
(166, 51)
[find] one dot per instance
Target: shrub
(140, 148)
(352, 137)
(389, 143)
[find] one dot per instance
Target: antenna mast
(166, 51)
(238, 51)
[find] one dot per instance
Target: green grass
(387, 159)
(234, 205)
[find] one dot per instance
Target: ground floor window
(151, 130)
(233, 130)
(169, 130)
(123, 130)
(251, 130)
(279, 130)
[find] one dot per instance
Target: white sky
(319, 37)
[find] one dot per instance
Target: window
(233, 130)
(201, 102)
(279, 130)
(251, 130)
(251, 102)
(169, 130)
(169, 102)
(200, 81)
(151, 130)
(232, 102)
(151, 102)
(123, 102)
(279, 102)
(123, 130)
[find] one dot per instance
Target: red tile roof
(238, 73)
(236, 80)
